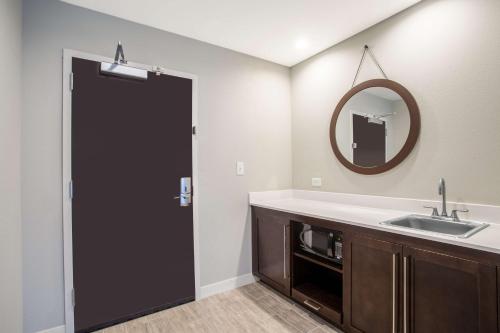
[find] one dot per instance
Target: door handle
(405, 294)
(284, 252)
(311, 305)
(394, 293)
(185, 192)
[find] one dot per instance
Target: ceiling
(282, 31)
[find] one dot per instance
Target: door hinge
(73, 302)
(354, 145)
(70, 189)
(194, 130)
(71, 81)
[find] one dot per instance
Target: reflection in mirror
(372, 127)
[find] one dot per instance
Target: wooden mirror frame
(412, 135)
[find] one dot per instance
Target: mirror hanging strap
(370, 53)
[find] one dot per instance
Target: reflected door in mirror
(368, 148)
(377, 122)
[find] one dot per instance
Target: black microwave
(322, 242)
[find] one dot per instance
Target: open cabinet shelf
(318, 288)
(317, 283)
(318, 260)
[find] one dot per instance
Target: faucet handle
(434, 210)
(454, 214)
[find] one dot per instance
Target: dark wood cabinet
(386, 283)
(396, 288)
(271, 255)
(443, 294)
(373, 272)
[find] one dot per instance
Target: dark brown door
(132, 242)
(446, 294)
(273, 251)
(374, 285)
(369, 142)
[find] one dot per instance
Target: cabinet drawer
(317, 307)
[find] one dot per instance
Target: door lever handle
(185, 192)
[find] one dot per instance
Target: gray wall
(244, 114)
(10, 182)
(447, 53)
(398, 126)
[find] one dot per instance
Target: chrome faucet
(444, 213)
(442, 193)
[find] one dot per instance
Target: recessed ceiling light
(301, 43)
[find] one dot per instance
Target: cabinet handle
(393, 293)
(284, 251)
(405, 296)
(312, 306)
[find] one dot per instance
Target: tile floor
(253, 308)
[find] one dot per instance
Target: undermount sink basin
(437, 225)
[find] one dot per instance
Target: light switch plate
(240, 168)
(316, 182)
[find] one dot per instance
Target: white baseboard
(205, 291)
(226, 285)
(58, 329)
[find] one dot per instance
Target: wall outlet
(240, 168)
(316, 182)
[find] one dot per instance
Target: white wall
(244, 114)
(447, 54)
(398, 127)
(10, 182)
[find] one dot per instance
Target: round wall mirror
(375, 126)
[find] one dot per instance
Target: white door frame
(68, 55)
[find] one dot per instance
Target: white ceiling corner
(282, 31)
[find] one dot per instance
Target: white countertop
(369, 211)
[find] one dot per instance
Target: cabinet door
(445, 294)
(372, 303)
(272, 250)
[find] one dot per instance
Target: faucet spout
(442, 193)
